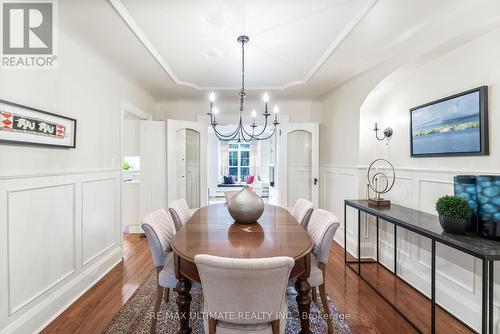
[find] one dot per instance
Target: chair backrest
(322, 227)
(231, 286)
(160, 230)
(302, 211)
(179, 210)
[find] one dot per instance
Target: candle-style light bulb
(254, 113)
(276, 111)
(266, 97)
(215, 110)
(212, 97)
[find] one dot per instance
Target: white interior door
(153, 148)
(187, 162)
(302, 163)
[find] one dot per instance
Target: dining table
(211, 230)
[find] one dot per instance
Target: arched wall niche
(465, 62)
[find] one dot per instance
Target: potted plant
(454, 214)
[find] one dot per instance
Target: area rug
(135, 316)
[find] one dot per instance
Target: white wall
(349, 146)
(191, 110)
(60, 208)
(467, 67)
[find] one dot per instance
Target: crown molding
(123, 12)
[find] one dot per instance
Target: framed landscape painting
(454, 126)
(25, 125)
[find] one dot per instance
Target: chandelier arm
(222, 137)
(263, 130)
(225, 135)
(257, 136)
(272, 134)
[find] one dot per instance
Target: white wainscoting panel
(458, 275)
(98, 217)
(50, 226)
(41, 234)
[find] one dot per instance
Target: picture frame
(456, 125)
(24, 125)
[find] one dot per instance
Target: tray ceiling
(195, 41)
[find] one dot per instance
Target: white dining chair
(180, 212)
(160, 230)
(236, 287)
(321, 228)
(302, 211)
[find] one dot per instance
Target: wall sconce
(387, 132)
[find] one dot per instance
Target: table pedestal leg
(304, 303)
(183, 289)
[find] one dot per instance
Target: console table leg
(183, 289)
(490, 299)
(484, 311)
(377, 243)
(395, 249)
(304, 302)
(359, 243)
(345, 233)
(433, 287)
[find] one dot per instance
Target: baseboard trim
(40, 316)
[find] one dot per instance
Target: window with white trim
(239, 161)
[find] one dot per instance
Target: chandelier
(240, 133)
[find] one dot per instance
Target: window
(239, 161)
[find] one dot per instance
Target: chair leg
(275, 326)
(159, 297)
(166, 295)
(326, 307)
(314, 294)
(212, 325)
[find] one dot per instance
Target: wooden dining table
(211, 230)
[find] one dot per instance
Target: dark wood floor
(367, 312)
(92, 312)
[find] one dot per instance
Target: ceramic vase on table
(246, 206)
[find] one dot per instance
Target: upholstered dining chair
(180, 212)
(302, 211)
(235, 287)
(321, 228)
(160, 229)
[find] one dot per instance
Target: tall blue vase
(465, 187)
(488, 197)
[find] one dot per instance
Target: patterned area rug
(135, 316)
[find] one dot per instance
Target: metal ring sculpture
(374, 177)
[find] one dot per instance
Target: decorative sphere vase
(246, 207)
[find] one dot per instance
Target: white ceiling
(299, 49)
(196, 40)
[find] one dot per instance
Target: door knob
(315, 181)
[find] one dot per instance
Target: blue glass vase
(465, 187)
(488, 197)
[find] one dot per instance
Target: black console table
(428, 226)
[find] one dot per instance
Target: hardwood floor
(367, 312)
(92, 312)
